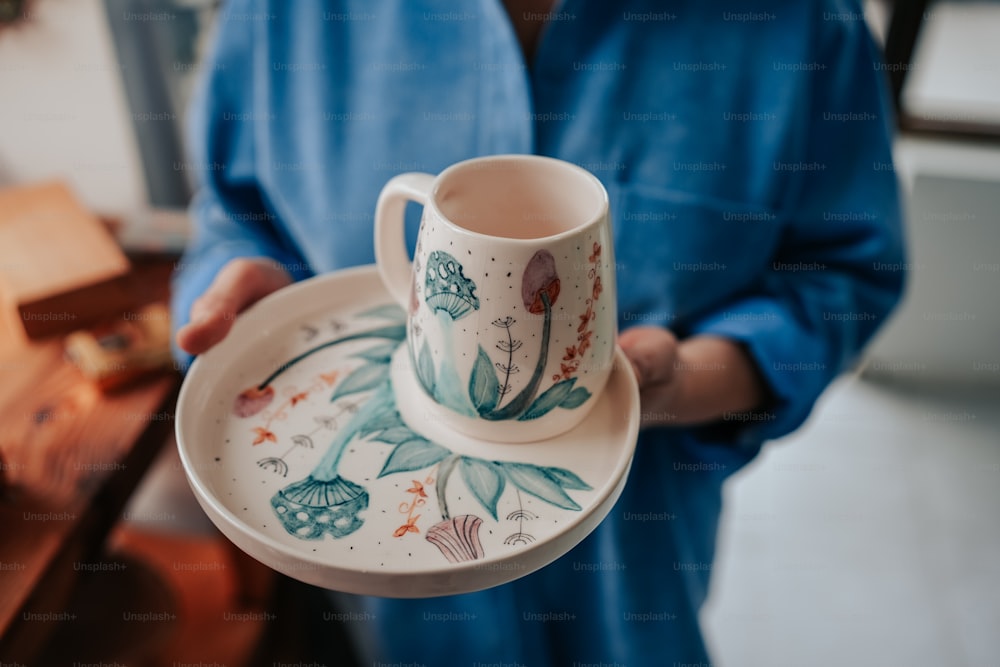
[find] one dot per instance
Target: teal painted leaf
(413, 455)
(425, 369)
(484, 480)
(450, 391)
(395, 435)
(389, 311)
(575, 398)
(550, 398)
(484, 388)
(567, 479)
(380, 354)
(381, 420)
(364, 378)
(539, 483)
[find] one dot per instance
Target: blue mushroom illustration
(447, 289)
(451, 296)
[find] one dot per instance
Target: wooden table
(72, 456)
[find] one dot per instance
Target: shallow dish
(303, 438)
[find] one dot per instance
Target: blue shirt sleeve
(837, 273)
(230, 216)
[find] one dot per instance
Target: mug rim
(601, 214)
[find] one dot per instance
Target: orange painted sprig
(574, 353)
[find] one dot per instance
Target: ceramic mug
(510, 296)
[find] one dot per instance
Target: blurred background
(869, 537)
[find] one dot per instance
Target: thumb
(239, 284)
(652, 351)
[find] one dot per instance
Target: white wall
(948, 327)
(63, 112)
(955, 73)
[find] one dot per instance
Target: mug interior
(519, 197)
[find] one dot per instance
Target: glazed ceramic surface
(511, 296)
(300, 442)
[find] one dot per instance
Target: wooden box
(60, 268)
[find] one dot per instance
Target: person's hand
(694, 381)
(239, 284)
(653, 353)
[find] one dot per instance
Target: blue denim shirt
(747, 159)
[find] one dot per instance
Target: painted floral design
(520, 515)
(540, 286)
(419, 499)
(305, 440)
(509, 347)
(325, 503)
(574, 353)
(263, 434)
(539, 291)
(451, 295)
(458, 538)
(294, 397)
(252, 400)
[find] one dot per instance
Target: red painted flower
(262, 435)
(299, 397)
(418, 489)
(408, 527)
(251, 401)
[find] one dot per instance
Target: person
(747, 157)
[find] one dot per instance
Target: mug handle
(391, 255)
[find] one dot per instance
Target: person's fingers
(240, 284)
(211, 319)
(652, 351)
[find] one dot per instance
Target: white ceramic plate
(301, 446)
